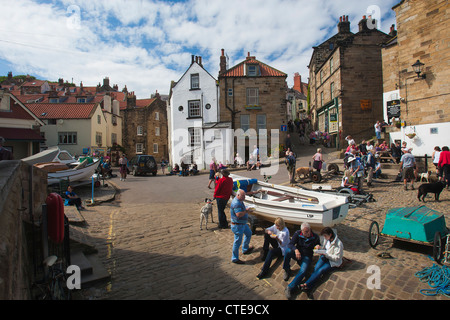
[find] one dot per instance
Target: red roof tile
(62, 110)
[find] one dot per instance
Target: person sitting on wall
(73, 198)
(194, 170)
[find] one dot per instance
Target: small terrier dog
(205, 212)
(425, 176)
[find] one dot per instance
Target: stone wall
(423, 33)
(146, 117)
(15, 252)
(271, 102)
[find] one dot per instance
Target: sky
(146, 44)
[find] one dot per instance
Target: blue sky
(147, 44)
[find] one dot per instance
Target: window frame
(195, 81)
(244, 126)
(197, 108)
(68, 135)
(252, 98)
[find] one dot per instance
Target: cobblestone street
(159, 252)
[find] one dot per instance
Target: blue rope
(438, 278)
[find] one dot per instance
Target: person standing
(5, 154)
(123, 167)
(222, 193)
(290, 165)
(163, 165)
(444, 166)
(301, 249)
(435, 157)
(318, 160)
(239, 217)
(212, 171)
(407, 164)
(377, 127)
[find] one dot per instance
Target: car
(143, 164)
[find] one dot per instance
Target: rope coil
(438, 278)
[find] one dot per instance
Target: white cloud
(147, 44)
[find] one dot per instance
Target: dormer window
(81, 100)
(53, 100)
(252, 70)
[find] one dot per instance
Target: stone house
(195, 133)
(145, 127)
(252, 95)
(418, 101)
(346, 90)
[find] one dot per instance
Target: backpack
(290, 160)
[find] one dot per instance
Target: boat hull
(295, 205)
(74, 174)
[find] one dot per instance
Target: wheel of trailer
(252, 222)
(374, 234)
(333, 167)
(316, 176)
(437, 247)
(346, 191)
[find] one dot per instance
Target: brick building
(346, 90)
(420, 101)
(252, 96)
(145, 127)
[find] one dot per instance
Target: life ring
(55, 218)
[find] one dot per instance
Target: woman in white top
(435, 157)
(277, 236)
(318, 159)
(331, 259)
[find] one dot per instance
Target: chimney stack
(344, 25)
(223, 62)
(363, 24)
(298, 82)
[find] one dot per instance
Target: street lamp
(417, 66)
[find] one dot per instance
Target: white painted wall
(179, 121)
(427, 137)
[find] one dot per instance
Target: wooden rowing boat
(294, 205)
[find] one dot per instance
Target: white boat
(294, 205)
(53, 154)
(81, 171)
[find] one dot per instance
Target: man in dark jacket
(301, 249)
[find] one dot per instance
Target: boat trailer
(354, 199)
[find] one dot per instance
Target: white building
(196, 134)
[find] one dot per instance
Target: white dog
(205, 212)
(426, 176)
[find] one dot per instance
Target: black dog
(426, 188)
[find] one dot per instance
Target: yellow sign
(366, 104)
